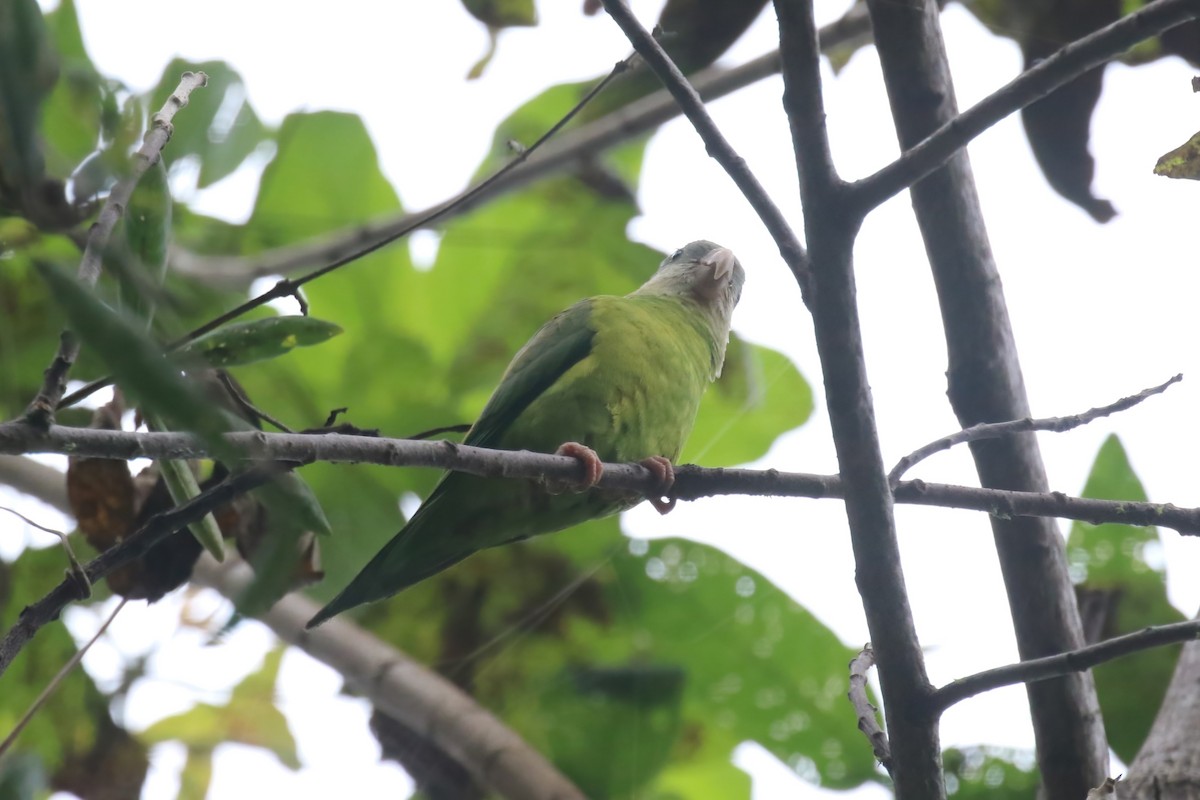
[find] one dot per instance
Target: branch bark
(830, 227)
(691, 482)
(985, 385)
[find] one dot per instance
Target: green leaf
(222, 129)
(136, 362)
(1115, 570)
(759, 395)
(28, 71)
(250, 717)
(502, 13)
(140, 264)
(259, 340)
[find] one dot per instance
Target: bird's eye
(676, 254)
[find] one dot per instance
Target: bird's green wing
(560, 344)
(438, 535)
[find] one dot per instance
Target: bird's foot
(664, 472)
(593, 468)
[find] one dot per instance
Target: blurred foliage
(1122, 586)
(993, 773)
(637, 667)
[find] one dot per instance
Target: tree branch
(410, 692)
(994, 430)
(985, 385)
(868, 723)
(41, 410)
(691, 482)
(1035, 83)
(1039, 669)
(689, 101)
(915, 765)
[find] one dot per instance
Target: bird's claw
(664, 472)
(593, 468)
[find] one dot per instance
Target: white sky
(1099, 312)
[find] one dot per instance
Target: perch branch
(689, 101)
(1039, 669)
(691, 482)
(994, 430)
(41, 410)
(1036, 82)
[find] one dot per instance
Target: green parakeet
(614, 379)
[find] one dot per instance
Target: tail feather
(411, 556)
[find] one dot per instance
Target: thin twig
(1039, 669)
(57, 679)
(41, 410)
(132, 547)
(689, 101)
(1036, 82)
(74, 567)
(994, 430)
(866, 712)
(691, 482)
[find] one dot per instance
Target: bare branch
(994, 430)
(1039, 669)
(868, 722)
(410, 692)
(41, 410)
(691, 482)
(689, 101)
(1035, 83)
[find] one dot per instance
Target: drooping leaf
(502, 13)
(1122, 588)
(258, 340)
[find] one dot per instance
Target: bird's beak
(722, 260)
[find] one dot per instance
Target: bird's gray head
(708, 274)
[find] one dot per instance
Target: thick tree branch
(1035, 83)
(1039, 669)
(689, 101)
(41, 410)
(410, 692)
(691, 482)
(986, 385)
(916, 754)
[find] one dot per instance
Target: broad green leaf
(759, 395)
(1121, 564)
(258, 340)
(221, 129)
(250, 717)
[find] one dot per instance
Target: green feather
(621, 375)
